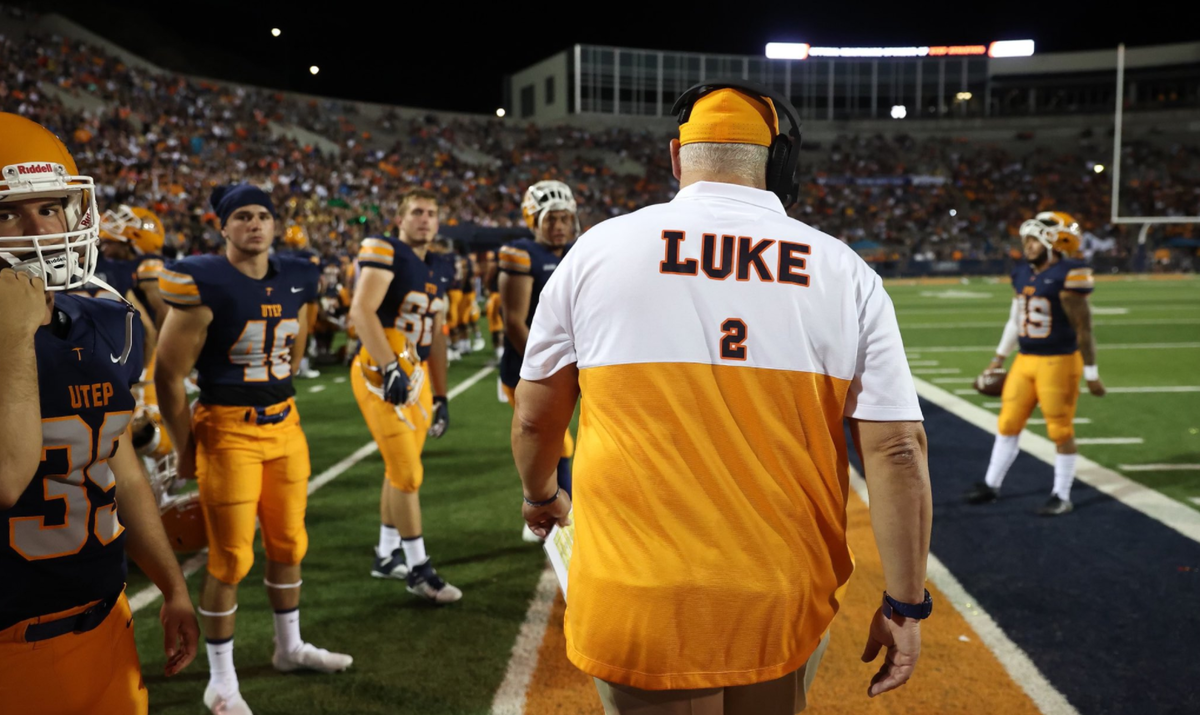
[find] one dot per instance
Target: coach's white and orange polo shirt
(719, 346)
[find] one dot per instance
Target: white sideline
(1105, 346)
(150, 594)
(510, 696)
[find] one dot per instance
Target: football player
(468, 317)
(495, 320)
(66, 633)
(240, 319)
(295, 245)
(525, 267)
(1051, 320)
(454, 300)
(136, 235)
(398, 308)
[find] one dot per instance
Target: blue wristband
(548, 502)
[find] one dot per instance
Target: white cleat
(530, 537)
(308, 374)
(225, 705)
(310, 657)
(478, 344)
(452, 355)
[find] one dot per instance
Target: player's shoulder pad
(1078, 275)
(191, 281)
(517, 256)
(148, 267)
(378, 251)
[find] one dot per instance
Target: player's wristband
(539, 504)
(1091, 373)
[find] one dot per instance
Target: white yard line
(954, 381)
(921, 363)
(150, 594)
(1099, 323)
(1041, 421)
(1014, 660)
(936, 371)
(317, 388)
(1102, 348)
(1110, 440)
(1150, 502)
(1159, 467)
(1176, 388)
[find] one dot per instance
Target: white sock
(389, 541)
(1064, 474)
(499, 353)
(1004, 453)
(221, 674)
(304, 364)
(414, 551)
(287, 630)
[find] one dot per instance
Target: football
(991, 382)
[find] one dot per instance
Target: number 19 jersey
(1042, 325)
(246, 359)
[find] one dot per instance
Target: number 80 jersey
(417, 292)
(246, 359)
(1042, 325)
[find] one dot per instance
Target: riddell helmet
(544, 197)
(295, 237)
(140, 228)
(34, 164)
(1055, 230)
(183, 520)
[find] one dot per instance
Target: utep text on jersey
(1043, 326)
(417, 291)
(246, 359)
(61, 544)
(525, 257)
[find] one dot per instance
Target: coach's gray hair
(747, 162)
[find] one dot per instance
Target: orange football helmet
(1055, 230)
(295, 237)
(183, 520)
(34, 164)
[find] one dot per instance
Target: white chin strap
(129, 312)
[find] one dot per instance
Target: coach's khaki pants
(782, 696)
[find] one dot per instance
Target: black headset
(783, 156)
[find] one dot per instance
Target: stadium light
(964, 96)
(1098, 168)
(1011, 48)
(899, 111)
(314, 69)
(500, 112)
(787, 50)
(276, 32)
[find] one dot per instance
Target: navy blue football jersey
(246, 358)
(62, 543)
(1042, 325)
(417, 292)
(525, 257)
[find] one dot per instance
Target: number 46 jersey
(246, 359)
(1042, 325)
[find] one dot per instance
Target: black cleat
(1055, 507)
(391, 566)
(982, 494)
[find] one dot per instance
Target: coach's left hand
(541, 519)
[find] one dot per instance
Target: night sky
(434, 55)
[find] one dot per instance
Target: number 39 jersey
(61, 544)
(417, 292)
(246, 359)
(1042, 325)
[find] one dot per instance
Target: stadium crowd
(163, 140)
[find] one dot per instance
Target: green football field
(1148, 336)
(414, 658)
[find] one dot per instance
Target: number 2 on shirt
(733, 332)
